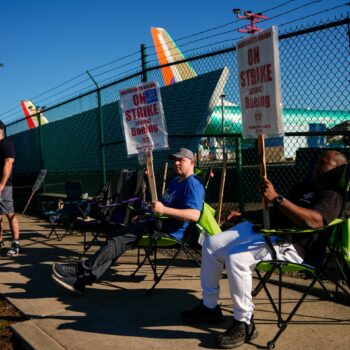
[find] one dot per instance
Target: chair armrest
(128, 201)
(147, 213)
(297, 230)
(156, 216)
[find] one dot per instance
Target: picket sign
(38, 183)
(260, 91)
(144, 126)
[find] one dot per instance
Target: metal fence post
(40, 141)
(102, 137)
(42, 161)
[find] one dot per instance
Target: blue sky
(44, 43)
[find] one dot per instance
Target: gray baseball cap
(182, 153)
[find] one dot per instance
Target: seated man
(240, 248)
(182, 203)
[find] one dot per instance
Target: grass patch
(9, 315)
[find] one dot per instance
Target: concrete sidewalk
(116, 313)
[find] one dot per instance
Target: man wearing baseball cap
(7, 159)
(182, 203)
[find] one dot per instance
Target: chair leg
(87, 245)
(53, 230)
(261, 283)
(159, 277)
(284, 323)
(149, 251)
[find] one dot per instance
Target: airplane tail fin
(168, 52)
(29, 111)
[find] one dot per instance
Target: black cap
(182, 153)
(2, 125)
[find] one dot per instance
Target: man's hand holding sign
(260, 92)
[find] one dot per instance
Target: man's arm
(191, 215)
(8, 165)
(302, 217)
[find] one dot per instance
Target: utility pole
(252, 17)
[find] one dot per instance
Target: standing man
(7, 159)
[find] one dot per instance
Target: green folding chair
(338, 250)
(151, 243)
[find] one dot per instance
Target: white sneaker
(14, 250)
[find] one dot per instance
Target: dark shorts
(6, 201)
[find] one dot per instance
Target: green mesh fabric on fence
(71, 145)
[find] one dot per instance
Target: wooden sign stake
(151, 177)
(263, 174)
(222, 187)
(165, 176)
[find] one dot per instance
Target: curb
(34, 338)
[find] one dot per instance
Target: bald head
(328, 161)
(337, 157)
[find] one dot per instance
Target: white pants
(240, 249)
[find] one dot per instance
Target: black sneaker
(71, 283)
(202, 314)
(14, 250)
(238, 334)
(65, 270)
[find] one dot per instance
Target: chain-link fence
(83, 139)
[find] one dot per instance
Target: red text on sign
(256, 75)
(253, 55)
(142, 112)
(257, 102)
(147, 129)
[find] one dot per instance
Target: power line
(233, 29)
(314, 14)
(58, 86)
(236, 38)
(221, 26)
(62, 91)
(185, 44)
(113, 69)
(292, 10)
(116, 60)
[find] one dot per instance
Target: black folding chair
(117, 213)
(66, 211)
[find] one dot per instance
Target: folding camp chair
(98, 209)
(156, 240)
(108, 217)
(64, 215)
(337, 233)
(153, 241)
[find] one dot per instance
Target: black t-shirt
(326, 202)
(324, 197)
(7, 150)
